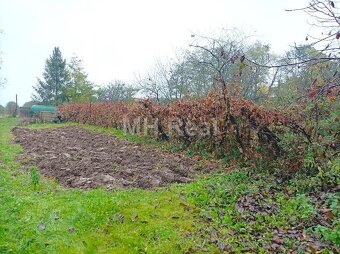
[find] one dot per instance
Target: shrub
(234, 128)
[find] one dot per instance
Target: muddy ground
(80, 158)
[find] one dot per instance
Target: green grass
(39, 216)
(36, 216)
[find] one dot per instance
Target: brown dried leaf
(329, 214)
(277, 240)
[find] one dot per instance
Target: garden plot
(80, 158)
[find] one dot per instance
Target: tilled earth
(80, 158)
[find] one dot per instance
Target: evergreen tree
(79, 89)
(52, 89)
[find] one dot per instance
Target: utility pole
(16, 105)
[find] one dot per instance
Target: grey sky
(116, 39)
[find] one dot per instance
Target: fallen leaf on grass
(278, 240)
(329, 214)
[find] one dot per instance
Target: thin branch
(201, 47)
(318, 60)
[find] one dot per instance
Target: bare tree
(149, 86)
(116, 91)
(321, 51)
(325, 17)
(219, 55)
(165, 82)
(225, 59)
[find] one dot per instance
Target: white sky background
(116, 39)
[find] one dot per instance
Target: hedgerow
(227, 126)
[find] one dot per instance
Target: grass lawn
(221, 212)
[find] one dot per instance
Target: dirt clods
(80, 158)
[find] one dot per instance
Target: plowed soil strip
(80, 158)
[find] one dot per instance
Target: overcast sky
(116, 39)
